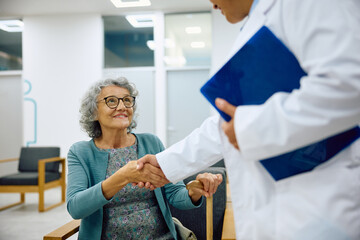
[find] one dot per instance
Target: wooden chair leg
(22, 197)
(41, 200)
(42, 183)
(63, 191)
(22, 200)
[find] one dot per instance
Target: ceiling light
(12, 25)
(141, 21)
(131, 3)
(193, 30)
(175, 61)
(169, 43)
(197, 44)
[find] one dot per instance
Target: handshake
(149, 169)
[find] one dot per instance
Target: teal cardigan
(86, 170)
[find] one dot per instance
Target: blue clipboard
(262, 67)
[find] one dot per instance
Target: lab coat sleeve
(327, 44)
(199, 150)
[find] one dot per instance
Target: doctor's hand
(228, 127)
(148, 159)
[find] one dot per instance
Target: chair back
(220, 163)
(29, 157)
(195, 219)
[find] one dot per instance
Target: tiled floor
(25, 222)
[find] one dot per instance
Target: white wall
(62, 56)
(11, 115)
(223, 37)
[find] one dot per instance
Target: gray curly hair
(88, 109)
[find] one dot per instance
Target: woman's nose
(121, 105)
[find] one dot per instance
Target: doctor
(321, 204)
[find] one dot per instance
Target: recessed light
(131, 3)
(141, 21)
(12, 25)
(197, 44)
(169, 43)
(175, 61)
(193, 30)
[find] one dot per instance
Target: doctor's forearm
(199, 150)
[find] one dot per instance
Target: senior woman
(102, 170)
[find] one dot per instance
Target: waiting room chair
(38, 170)
(194, 219)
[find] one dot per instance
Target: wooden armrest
(228, 232)
(9, 160)
(41, 168)
(64, 232)
(54, 159)
(42, 162)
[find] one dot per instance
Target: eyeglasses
(113, 102)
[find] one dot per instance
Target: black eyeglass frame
(122, 99)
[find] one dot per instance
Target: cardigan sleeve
(178, 196)
(82, 200)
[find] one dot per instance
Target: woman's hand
(130, 174)
(148, 173)
(210, 182)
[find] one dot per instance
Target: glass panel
(10, 50)
(125, 45)
(188, 39)
(187, 108)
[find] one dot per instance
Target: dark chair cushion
(195, 219)
(29, 157)
(27, 178)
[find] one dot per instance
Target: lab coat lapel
(254, 22)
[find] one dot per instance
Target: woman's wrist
(124, 175)
(114, 183)
(195, 197)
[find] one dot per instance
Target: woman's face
(118, 118)
(234, 10)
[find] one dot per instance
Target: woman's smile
(121, 115)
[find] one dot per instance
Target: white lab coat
(321, 204)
